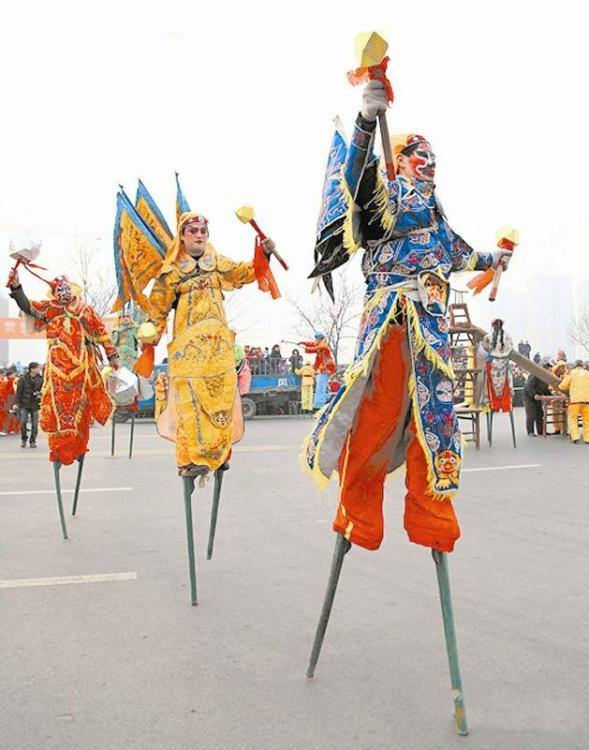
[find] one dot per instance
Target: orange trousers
(378, 426)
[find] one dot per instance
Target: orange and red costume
(9, 423)
(323, 356)
(73, 390)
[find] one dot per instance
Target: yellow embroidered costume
(197, 403)
(203, 381)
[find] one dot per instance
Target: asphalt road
(123, 662)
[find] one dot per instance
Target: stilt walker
(73, 391)
(396, 402)
(198, 405)
(323, 365)
(498, 377)
(123, 387)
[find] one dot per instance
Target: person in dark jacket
(28, 398)
(533, 389)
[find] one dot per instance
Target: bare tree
(579, 329)
(241, 310)
(337, 320)
(99, 289)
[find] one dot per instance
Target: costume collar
(206, 262)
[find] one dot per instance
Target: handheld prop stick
(371, 51)
(507, 239)
(245, 214)
(24, 249)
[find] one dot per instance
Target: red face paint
(422, 163)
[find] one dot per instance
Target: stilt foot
(342, 546)
(78, 483)
(441, 561)
(56, 470)
(188, 483)
(215, 510)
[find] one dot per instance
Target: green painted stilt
(188, 490)
(214, 511)
(441, 561)
(56, 470)
(512, 428)
(341, 547)
(131, 436)
(78, 482)
(112, 434)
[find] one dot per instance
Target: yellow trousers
(574, 411)
(307, 397)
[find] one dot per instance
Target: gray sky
(239, 97)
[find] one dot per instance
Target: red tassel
(264, 276)
(145, 363)
(481, 280)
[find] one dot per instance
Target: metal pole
(78, 482)
(491, 428)
(341, 547)
(131, 436)
(112, 434)
(441, 561)
(56, 470)
(188, 490)
(214, 512)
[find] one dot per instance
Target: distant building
(550, 307)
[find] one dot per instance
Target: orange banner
(14, 328)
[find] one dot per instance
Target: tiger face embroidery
(447, 465)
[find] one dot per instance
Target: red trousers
(496, 403)
(378, 427)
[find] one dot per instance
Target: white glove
(374, 100)
(501, 257)
(269, 246)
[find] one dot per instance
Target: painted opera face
(63, 290)
(195, 236)
(420, 163)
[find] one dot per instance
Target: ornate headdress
(192, 219)
(402, 141)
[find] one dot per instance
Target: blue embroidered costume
(409, 253)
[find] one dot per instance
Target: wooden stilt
(131, 436)
(490, 425)
(441, 561)
(56, 470)
(341, 547)
(511, 419)
(78, 482)
(112, 433)
(188, 490)
(214, 512)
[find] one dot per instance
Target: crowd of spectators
(271, 361)
(20, 396)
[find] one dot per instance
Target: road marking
(42, 456)
(22, 583)
(52, 492)
(504, 468)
